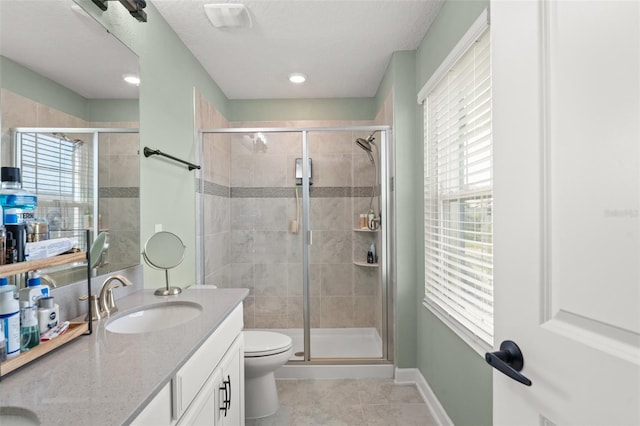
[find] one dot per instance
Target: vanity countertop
(107, 378)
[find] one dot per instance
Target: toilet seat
(265, 343)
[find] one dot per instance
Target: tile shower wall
(248, 242)
(119, 178)
(119, 194)
(247, 191)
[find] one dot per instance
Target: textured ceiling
(343, 46)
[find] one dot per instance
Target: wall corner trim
(414, 376)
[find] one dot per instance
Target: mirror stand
(168, 291)
(164, 250)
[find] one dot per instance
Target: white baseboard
(413, 375)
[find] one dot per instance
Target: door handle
(508, 360)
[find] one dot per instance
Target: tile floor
(349, 402)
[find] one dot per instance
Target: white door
(566, 117)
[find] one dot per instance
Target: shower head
(364, 144)
(367, 145)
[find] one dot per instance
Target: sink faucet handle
(96, 312)
(106, 300)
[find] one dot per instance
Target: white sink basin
(154, 317)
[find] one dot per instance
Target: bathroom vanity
(177, 374)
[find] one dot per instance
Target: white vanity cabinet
(220, 402)
(209, 388)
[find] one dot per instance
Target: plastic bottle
(29, 331)
(10, 317)
(4, 286)
(48, 313)
(3, 345)
(3, 245)
(369, 257)
(12, 252)
(34, 290)
(370, 216)
(18, 205)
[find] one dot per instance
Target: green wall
(400, 78)
(169, 74)
(24, 82)
(456, 373)
(302, 109)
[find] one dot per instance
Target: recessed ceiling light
(132, 79)
(297, 78)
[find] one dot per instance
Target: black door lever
(509, 361)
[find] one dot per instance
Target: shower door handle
(310, 237)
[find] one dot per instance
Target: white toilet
(264, 353)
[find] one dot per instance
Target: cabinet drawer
(192, 376)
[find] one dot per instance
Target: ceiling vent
(228, 15)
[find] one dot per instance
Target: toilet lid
(262, 343)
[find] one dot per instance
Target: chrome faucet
(106, 300)
(49, 279)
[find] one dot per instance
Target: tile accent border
(119, 192)
(413, 375)
(211, 188)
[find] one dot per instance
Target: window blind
(458, 193)
(59, 170)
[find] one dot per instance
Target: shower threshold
(336, 343)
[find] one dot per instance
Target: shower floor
(336, 342)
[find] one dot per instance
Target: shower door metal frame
(386, 202)
(95, 133)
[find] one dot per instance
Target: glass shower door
(344, 284)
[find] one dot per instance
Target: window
(59, 170)
(458, 194)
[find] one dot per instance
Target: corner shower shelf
(365, 264)
(365, 230)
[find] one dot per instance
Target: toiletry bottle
(19, 234)
(34, 290)
(10, 318)
(48, 313)
(363, 221)
(3, 245)
(374, 255)
(13, 199)
(29, 331)
(369, 257)
(4, 286)
(12, 253)
(370, 216)
(3, 345)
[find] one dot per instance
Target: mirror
(98, 249)
(164, 250)
(61, 69)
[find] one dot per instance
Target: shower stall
(303, 218)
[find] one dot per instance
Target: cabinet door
(203, 411)
(232, 385)
(158, 411)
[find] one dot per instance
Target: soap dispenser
(34, 290)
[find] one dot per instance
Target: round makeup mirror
(164, 250)
(98, 247)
